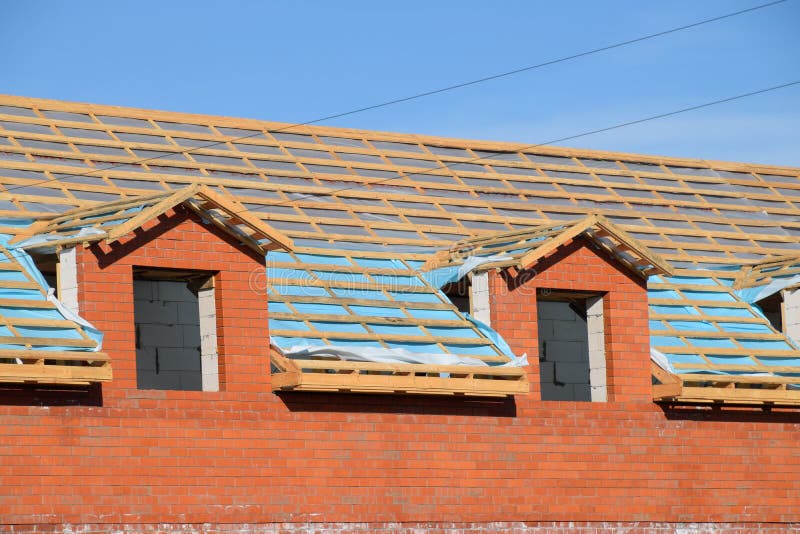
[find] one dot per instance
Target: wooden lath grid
(319, 329)
(43, 358)
(767, 271)
(716, 326)
(112, 221)
(678, 175)
(688, 212)
(522, 249)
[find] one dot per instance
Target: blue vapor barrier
(498, 340)
(765, 344)
(711, 343)
(335, 327)
(447, 315)
(745, 327)
(666, 341)
(692, 325)
(697, 281)
(33, 295)
(724, 359)
(754, 294)
(380, 263)
(393, 280)
(280, 307)
(281, 324)
(781, 362)
(415, 297)
(708, 295)
(318, 309)
(728, 312)
(685, 358)
(376, 311)
(397, 291)
(442, 276)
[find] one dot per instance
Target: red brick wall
(141, 459)
(578, 266)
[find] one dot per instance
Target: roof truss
(51, 350)
(765, 272)
(522, 249)
(112, 221)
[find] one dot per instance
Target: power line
(427, 93)
(522, 148)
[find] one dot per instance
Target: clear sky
(298, 61)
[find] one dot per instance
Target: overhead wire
(526, 147)
(425, 93)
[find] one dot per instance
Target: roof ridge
(337, 131)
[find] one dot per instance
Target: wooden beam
(246, 218)
(153, 211)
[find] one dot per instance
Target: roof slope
(355, 193)
(113, 220)
(325, 309)
(382, 191)
(522, 249)
(40, 340)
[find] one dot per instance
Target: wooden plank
(46, 341)
(330, 318)
(59, 373)
(667, 391)
(339, 365)
(344, 284)
(362, 302)
(242, 215)
(740, 396)
(426, 385)
(662, 375)
(153, 211)
(320, 334)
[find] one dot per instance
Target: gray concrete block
(188, 313)
(581, 392)
(146, 359)
(142, 290)
(555, 310)
(567, 351)
(173, 291)
(155, 335)
(191, 382)
(179, 359)
(191, 335)
(569, 330)
(572, 373)
(546, 328)
(156, 312)
(547, 371)
(163, 380)
(557, 392)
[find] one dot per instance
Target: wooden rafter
(766, 271)
(710, 192)
(522, 249)
(382, 192)
(115, 220)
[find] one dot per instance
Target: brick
(247, 459)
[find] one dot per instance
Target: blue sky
(298, 61)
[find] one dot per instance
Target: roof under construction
(353, 222)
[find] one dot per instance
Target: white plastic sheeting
(44, 240)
